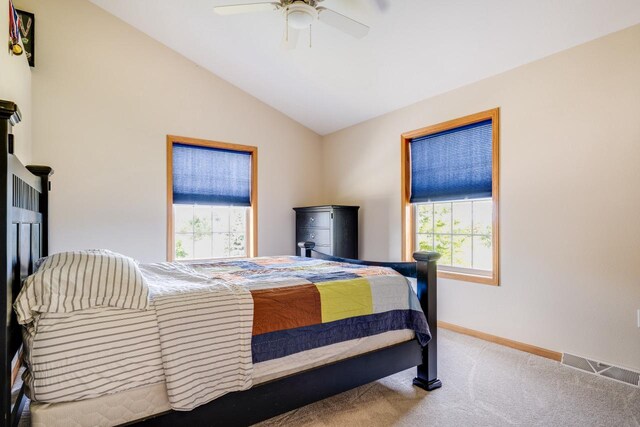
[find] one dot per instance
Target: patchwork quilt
(305, 303)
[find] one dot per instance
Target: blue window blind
(454, 164)
(211, 176)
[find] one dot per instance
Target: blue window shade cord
(452, 165)
(211, 176)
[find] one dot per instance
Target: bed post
(426, 274)
(9, 116)
(43, 172)
(306, 248)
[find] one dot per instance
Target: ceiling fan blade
(342, 23)
(234, 9)
(290, 41)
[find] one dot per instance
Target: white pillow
(72, 281)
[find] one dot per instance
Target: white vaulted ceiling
(414, 50)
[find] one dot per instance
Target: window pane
(220, 245)
(461, 231)
(184, 246)
(442, 217)
(183, 216)
(482, 253)
(424, 242)
(424, 218)
(204, 232)
(237, 245)
(202, 246)
(238, 220)
(462, 218)
(443, 246)
(482, 217)
(201, 221)
(462, 251)
(220, 221)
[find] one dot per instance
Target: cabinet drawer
(314, 219)
(319, 236)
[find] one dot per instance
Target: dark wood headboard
(24, 211)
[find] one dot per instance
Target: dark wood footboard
(424, 270)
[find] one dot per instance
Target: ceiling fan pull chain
(286, 25)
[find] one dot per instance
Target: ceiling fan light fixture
(299, 20)
(300, 15)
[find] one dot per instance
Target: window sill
(474, 278)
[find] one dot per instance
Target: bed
(285, 376)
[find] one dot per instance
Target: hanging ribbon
(14, 30)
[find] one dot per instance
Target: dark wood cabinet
(333, 228)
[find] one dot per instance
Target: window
(203, 232)
(211, 199)
(450, 196)
(459, 230)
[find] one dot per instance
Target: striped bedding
(209, 323)
(89, 353)
(205, 333)
(71, 281)
(196, 338)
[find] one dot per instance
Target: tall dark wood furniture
(24, 212)
(333, 228)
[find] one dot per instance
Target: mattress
(144, 401)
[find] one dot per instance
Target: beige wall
(15, 85)
(104, 98)
(570, 171)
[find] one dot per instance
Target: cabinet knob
(313, 236)
(312, 219)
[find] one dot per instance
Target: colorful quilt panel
(305, 303)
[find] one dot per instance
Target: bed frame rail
(23, 211)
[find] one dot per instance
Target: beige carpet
(484, 385)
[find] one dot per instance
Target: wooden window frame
(408, 213)
(252, 223)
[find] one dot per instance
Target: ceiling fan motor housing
(300, 14)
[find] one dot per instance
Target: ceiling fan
(300, 14)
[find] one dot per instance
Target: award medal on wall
(14, 31)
